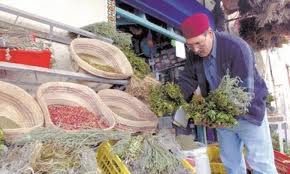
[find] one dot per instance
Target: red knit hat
(194, 25)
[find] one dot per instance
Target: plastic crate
(282, 162)
(27, 57)
(216, 165)
(110, 163)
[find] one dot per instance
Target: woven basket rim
(121, 60)
(133, 103)
(102, 108)
(21, 97)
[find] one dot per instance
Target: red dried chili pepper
(75, 117)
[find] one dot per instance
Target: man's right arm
(188, 79)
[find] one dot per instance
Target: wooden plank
(34, 17)
(63, 73)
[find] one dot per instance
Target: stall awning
(172, 12)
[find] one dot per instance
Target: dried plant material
(92, 60)
(122, 40)
(265, 23)
(266, 11)
(6, 123)
(78, 139)
(21, 39)
(140, 88)
(18, 159)
(147, 155)
(271, 35)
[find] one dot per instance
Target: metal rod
(149, 25)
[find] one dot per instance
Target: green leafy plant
(140, 67)
(222, 105)
(165, 99)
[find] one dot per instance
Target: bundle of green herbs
(122, 41)
(165, 99)
(140, 67)
(144, 154)
(222, 105)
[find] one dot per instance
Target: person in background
(142, 41)
(211, 56)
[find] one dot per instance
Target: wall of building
(76, 13)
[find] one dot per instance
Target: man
(211, 56)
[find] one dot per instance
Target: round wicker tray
(72, 94)
(101, 53)
(19, 107)
(128, 110)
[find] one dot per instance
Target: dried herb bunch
(165, 99)
(144, 154)
(269, 36)
(265, 23)
(266, 11)
(89, 137)
(140, 88)
(122, 41)
(222, 105)
(48, 158)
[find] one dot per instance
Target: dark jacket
(235, 55)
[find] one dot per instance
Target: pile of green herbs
(222, 105)
(122, 41)
(165, 99)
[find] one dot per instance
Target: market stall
(116, 109)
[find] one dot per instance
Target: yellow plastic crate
(216, 165)
(110, 163)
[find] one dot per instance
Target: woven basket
(130, 113)
(19, 107)
(104, 54)
(73, 95)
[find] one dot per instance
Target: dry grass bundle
(266, 11)
(78, 139)
(271, 35)
(21, 39)
(140, 88)
(48, 158)
(265, 23)
(147, 154)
